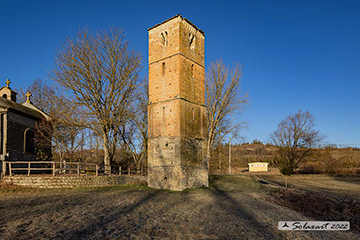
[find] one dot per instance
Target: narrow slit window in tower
(163, 69)
(192, 41)
(164, 36)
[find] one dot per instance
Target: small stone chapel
(17, 127)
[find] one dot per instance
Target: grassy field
(331, 185)
(234, 207)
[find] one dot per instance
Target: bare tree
(295, 139)
(99, 73)
(60, 132)
(42, 95)
(135, 133)
(224, 98)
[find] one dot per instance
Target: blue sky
(296, 54)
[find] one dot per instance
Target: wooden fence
(58, 168)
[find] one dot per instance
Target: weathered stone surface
(177, 115)
(72, 181)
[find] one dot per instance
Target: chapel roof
(10, 89)
(8, 101)
(5, 103)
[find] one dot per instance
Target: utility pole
(230, 157)
(230, 154)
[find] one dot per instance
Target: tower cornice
(178, 16)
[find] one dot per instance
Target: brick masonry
(72, 181)
(177, 114)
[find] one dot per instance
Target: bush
(310, 169)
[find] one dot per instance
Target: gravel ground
(234, 207)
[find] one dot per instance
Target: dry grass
(330, 198)
(234, 207)
(319, 206)
(331, 185)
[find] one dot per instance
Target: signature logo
(313, 225)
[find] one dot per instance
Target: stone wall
(72, 181)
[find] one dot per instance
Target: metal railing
(59, 168)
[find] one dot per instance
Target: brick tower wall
(177, 115)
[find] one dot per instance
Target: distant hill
(326, 160)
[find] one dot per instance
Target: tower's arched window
(4, 96)
(164, 36)
(163, 69)
(29, 141)
(192, 70)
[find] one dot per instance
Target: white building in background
(258, 167)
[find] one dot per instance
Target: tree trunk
(106, 154)
(138, 165)
(208, 155)
(60, 154)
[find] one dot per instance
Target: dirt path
(233, 208)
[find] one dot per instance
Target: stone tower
(177, 114)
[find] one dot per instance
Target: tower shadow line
(86, 233)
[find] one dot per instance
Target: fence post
(53, 167)
(97, 170)
(120, 170)
(78, 168)
(129, 171)
(10, 169)
(29, 165)
(4, 168)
